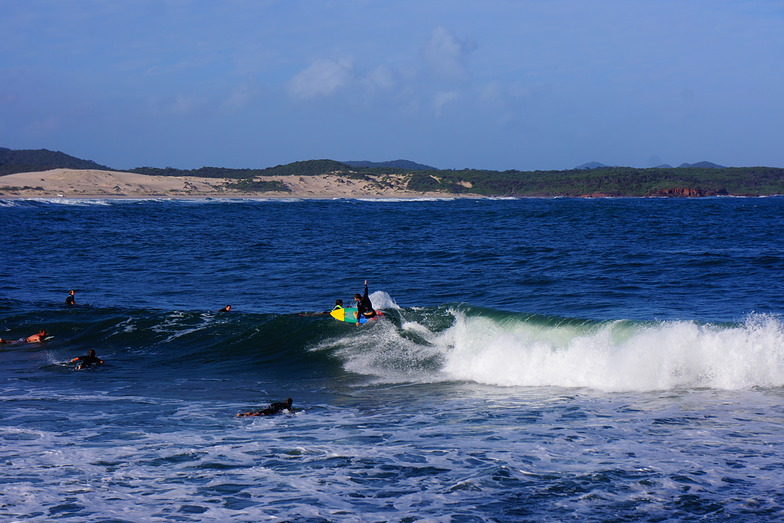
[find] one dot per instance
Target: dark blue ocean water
(539, 360)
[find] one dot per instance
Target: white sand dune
(73, 183)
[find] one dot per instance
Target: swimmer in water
(33, 338)
(271, 410)
(83, 362)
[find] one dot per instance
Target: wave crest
(512, 350)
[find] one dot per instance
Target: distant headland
(44, 173)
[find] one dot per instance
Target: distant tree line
(603, 181)
(610, 181)
(306, 168)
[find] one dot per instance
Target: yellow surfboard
(347, 315)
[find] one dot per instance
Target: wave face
(429, 345)
(492, 348)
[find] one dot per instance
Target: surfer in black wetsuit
(271, 410)
(364, 307)
(83, 362)
(70, 299)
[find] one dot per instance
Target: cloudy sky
(495, 84)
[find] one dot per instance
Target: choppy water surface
(539, 360)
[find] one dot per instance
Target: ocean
(538, 360)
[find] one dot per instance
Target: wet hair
(357, 297)
(339, 302)
(91, 352)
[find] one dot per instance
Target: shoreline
(116, 185)
(96, 184)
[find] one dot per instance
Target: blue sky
(495, 84)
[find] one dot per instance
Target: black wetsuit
(364, 307)
(274, 408)
(69, 300)
(87, 361)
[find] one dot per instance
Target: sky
(481, 84)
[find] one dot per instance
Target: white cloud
(321, 78)
(447, 55)
(442, 98)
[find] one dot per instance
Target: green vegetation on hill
(306, 168)
(28, 160)
(703, 179)
(251, 186)
(620, 181)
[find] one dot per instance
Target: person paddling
(33, 338)
(271, 410)
(83, 362)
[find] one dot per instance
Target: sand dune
(71, 183)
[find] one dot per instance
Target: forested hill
(593, 182)
(21, 161)
(608, 182)
(704, 179)
(306, 168)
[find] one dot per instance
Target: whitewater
(539, 360)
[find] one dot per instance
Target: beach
(73, 183)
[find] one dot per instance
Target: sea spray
(491, 348)
(618, 356)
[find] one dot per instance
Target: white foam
(613, 357)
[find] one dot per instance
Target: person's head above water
(339, 302)
(91, 352)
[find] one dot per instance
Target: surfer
(364, 307)
(272, 409)
(83, 362)
(33, 338)
(227, 308)
(70, 299)
(338, 305)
